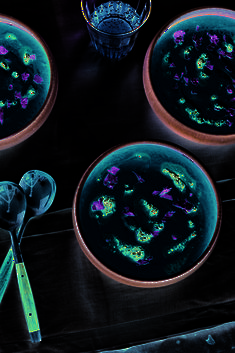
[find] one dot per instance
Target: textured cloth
(100, 105)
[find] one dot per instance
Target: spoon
(40, 189)
(13, 206)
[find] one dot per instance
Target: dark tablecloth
(100, 105)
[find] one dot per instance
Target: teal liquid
(121, 235)
(114, 18)
(193, 76)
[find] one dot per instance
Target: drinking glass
(114, 25)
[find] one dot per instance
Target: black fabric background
(98, 106)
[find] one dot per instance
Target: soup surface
(147, 212)
(193, 73)
(24, 75)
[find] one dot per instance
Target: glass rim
(116, 34)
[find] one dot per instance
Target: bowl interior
(28, 81)
(147, 212)
(192, 69)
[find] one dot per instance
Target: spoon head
(40, 189)
(12, 205)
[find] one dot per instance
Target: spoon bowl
(40, 189)
(12, 206)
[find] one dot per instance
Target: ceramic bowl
(29, 82)
(146, 214)
(189, 75)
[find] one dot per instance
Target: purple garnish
(231, 111)
(127, 212)
(221, 52)
(176, 77)
(38, 79)
(32, 56)
(174, 237)
(144, 261)
(10, 87)
(229, 55)
(197, 28)
(155, 192)
(172, 65)
(179, 37)
(209, 66)
(185, 205)
(168, 215)
(24, 102)
(113, 170)
(140, 179)
(97, 205)
(110, 181)
(3, 50)
(17, 95)
(155, 233)
(165, 191)
(1, 116)
(168, 197)
(25, 76)
(164, 194)
(8, 104)
(197, 41)
(194, 81)
(186, 80)
(213, 38)
(229, 90)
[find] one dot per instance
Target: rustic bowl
(29, 82)
(188, 75)
(133, 214)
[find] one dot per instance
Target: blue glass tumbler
(114, 25)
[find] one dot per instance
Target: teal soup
(147, 212)
(25, 78)
(193, 73)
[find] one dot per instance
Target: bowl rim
(120, 278)
(164, 116)
(115, 35)
(46, 108)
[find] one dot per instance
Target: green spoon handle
(5, 272)
(28, 303)
(7, 267)
(26, 293)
